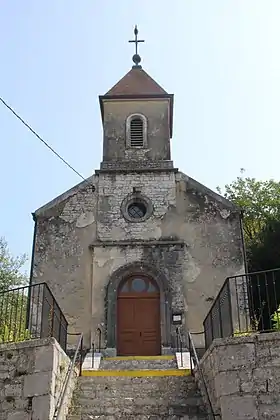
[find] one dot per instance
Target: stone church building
(139, 243)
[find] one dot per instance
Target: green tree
(259, 200)
(10, 268)
(13, 300)
(264, 251)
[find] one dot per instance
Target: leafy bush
(276, 319)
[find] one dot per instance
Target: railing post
(42, 313)
(181, 345)
(220, 318)
(52, 309)
(190, 351)
(230, 307)
(99, 340)
(92, 356)
(60, 326)
(81, 356)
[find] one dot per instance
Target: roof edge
(57, 200)
(217, 197)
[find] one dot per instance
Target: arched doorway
(138, 317)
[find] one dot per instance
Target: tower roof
(136, 82)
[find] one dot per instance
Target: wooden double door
(138, 317)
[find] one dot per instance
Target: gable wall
(195, 270)
(62, 257)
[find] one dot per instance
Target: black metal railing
(179, 345)
(195, 366)
(75, 355)
(96, 345)
(246, 303)
(77, 361)
(31, 312)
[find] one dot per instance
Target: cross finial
(136, 58)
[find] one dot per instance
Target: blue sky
(220, 58)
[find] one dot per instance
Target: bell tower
(137, 117)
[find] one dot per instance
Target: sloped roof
(60, 198)
(136, 82)
(194, 185)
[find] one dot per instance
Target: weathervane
(136, 58)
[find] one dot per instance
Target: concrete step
(138, 363)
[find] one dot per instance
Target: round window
(137, 210)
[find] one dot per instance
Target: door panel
(138, 328)
(147, 315)
(128, 336)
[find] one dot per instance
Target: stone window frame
(145, 130)
(130, 199)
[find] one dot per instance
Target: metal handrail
(192, 350)
(68, 376)
(94, 347)
(180, 344)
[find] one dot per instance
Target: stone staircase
(138, 363)
(137, 388)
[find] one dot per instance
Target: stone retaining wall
(31, 379)
(243, 376)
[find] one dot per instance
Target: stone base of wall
(31, 379)
(243, 376)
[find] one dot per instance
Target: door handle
(140, 334)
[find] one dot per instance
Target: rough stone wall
(115, 115)
(31, 380)
(210, 226)
(243, 376)
(113, 188)
(183, 210)
(154, 259)
(192, 236)
(62, 258)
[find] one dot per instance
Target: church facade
(139, 243)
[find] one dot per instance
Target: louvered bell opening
(136, 133)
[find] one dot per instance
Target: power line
(42, 140)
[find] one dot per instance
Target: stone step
(137, 363)
(137, 397)
(136, 373)
(99, 385)
(118, 412)
(152, 393)
(166, 384)
(138, 417)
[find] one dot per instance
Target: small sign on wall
(177, 318)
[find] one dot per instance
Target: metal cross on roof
(136, 58)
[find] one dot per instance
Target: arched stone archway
(112, 294)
